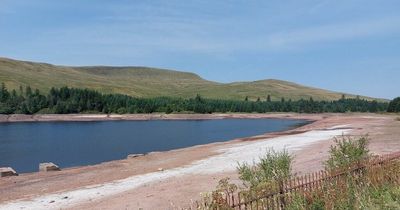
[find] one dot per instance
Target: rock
(48, 167)
(7, 171)
(134, 156)
(160, 169)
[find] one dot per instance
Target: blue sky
(342, 45)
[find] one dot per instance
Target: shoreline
(223, 162)
(14, 118)
(44, 188)
(147, 117)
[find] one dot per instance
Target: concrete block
(7, 171)
(48, 167)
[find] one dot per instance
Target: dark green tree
(4, 94)
(394, 105)
(72, 100)
(28, 91)
(269, 98)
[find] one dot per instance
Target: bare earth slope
(149, 82)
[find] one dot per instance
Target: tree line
(67, 100)
(394, 105)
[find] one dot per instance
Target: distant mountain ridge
(150, 82)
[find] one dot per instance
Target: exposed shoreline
(225, 161)
(41, 189)
(138, 117)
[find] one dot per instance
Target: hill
(149, 82)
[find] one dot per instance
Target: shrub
(217, 198)
(346, 152)
(273, 166)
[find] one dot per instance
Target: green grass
(149, 82)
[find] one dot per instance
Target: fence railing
(282, 193)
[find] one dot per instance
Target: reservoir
(24, 145)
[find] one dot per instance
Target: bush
(217, 198)
(270, 169)
(273, 166)
(347, 151)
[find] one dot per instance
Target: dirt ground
(180, 191)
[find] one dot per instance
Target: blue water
(24, 145)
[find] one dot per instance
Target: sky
(350, 46)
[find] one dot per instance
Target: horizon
(346, 47)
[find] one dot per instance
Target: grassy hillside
(148, 82)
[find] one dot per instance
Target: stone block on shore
(7, 171)
(48, 167)
(134, 156)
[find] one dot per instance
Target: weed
(346, 152)
(273, 166)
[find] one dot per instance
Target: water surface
(24, 145)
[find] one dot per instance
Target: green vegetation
(394, 105)
(346, 152)
(150, 82)
(372, 188)
(71, 100)
(375, 186)
(273, 166)
(257, 179)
